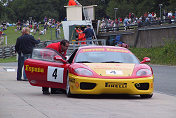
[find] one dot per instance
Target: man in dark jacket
(88, 34)
(24, 47)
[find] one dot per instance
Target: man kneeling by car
(60, 47)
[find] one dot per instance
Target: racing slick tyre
(68, 93)
(146, 95)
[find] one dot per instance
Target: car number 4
(55, 74)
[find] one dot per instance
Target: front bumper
(86, 85)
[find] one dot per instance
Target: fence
(9, 51)
(136, 25)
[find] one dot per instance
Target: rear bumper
(85, 85)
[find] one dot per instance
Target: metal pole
(6, 40)
(51, 32)
(115, 13)
(160, 11)
(160, 5)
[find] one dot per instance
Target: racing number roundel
(55, 74)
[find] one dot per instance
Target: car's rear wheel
(146, 95)
(68, 93)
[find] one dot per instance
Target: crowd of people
(148, 18)
(40, 27)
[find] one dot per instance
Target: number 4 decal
(55, 74)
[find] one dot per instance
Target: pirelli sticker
(115, 85)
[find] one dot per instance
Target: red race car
(91, 70)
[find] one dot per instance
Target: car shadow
(108, 96)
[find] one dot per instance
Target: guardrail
(75, 44)
(112, 29)
(9, 51)
(137, 25)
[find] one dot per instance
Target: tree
(38, 9)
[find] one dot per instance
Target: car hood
(112, 69)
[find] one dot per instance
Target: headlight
(144, 72)
(83, 71)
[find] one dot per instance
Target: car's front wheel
(146, 95)
(68, 93)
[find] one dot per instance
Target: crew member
(60, 47)
(81, 35)
(89, 34)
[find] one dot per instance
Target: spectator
(60, 47)
(58, 29)
(89, 34)
(24, 47)
(125, 22)
(45, 19)
(170, 14)
(45, 27)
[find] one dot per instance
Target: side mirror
(59, 58)
(145, 59)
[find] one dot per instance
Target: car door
(42, 70)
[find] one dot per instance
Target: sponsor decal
(93, 50)
(114, 72)
(72, 80)
(105, 49)
(34, 69)
(115, 85)
(117, 50)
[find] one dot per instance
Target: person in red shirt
(71, 3)
(60, 47)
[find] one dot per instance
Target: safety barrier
(136, 26)
(75, 44)
(9, 51)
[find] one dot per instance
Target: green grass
(12, 35)
(7, 60)
(165, 55)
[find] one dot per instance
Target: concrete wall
(147, 37)
(155, 37)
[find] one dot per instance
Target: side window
(44, 54)
(72, 56)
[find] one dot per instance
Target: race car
(91, 70)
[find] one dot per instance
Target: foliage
(165, 55)
(38, 9)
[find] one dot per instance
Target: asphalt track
(18, 99)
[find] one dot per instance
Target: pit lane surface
(18, 99)
(165, 79)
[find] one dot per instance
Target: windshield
(105, 57)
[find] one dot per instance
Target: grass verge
(7, 60)
(165, 55)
